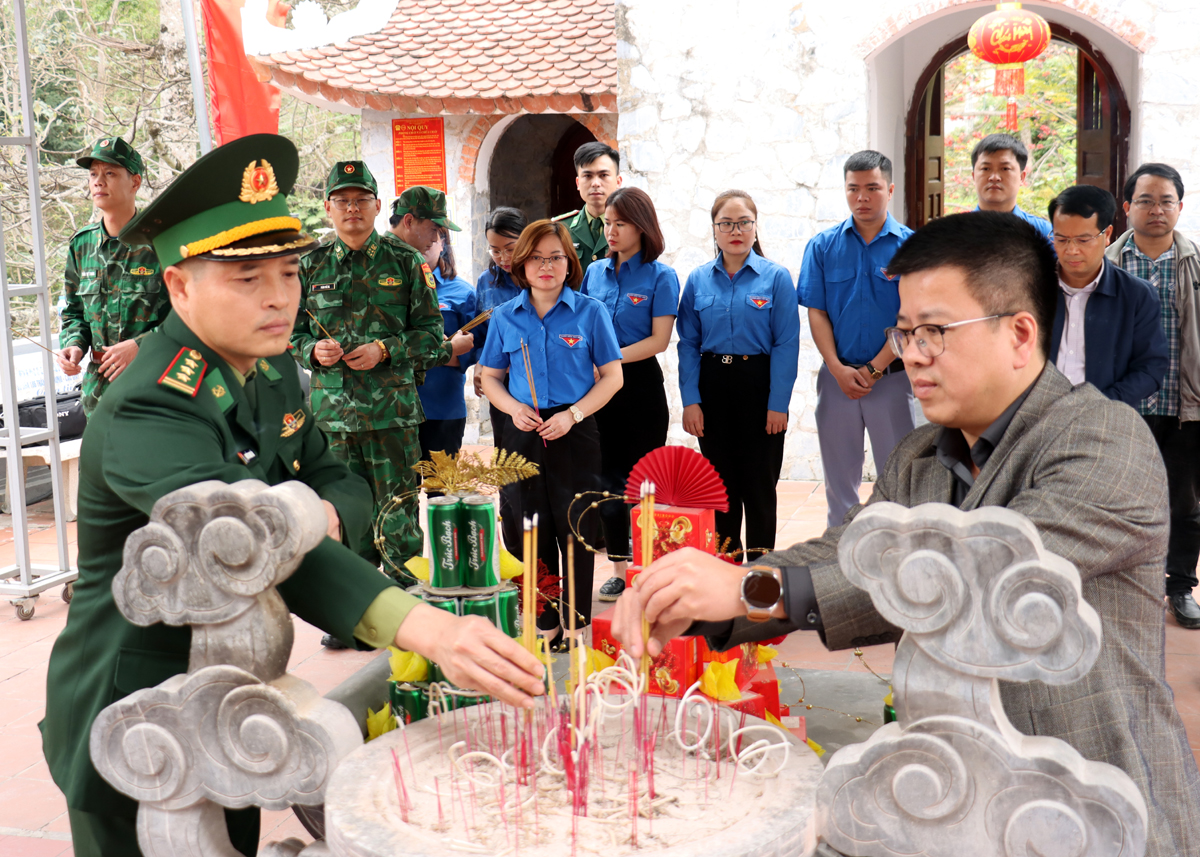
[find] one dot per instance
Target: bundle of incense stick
(476, 321)
(648, 529)
(529, 377)
(529, 586)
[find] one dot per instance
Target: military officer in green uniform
(368, 327)
(597, 174)
(114, 292)
(215, 395)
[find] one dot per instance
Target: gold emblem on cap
(258, 183)
(349, 168)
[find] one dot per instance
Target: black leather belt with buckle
(727, 358)
(895, 366)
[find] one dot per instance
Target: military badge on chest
(292, 423)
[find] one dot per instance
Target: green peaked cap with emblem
(425, 203)
(350, 174)
(229, 206)
(114, 150)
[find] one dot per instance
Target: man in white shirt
(1108, 328)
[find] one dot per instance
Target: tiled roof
(468, 56)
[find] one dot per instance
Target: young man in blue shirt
(851, 300)
(998, 168)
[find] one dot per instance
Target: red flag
(243, 101)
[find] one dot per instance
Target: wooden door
(1100, 135)
(928, 162)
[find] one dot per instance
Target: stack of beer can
(464, 579)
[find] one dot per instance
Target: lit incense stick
(318, 324)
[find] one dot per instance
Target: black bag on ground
(71, 421)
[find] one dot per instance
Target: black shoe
(333, 643)
(612, 589)
(1185, 609)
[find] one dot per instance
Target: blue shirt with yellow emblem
(635, 296)
(442, 393)
(753, 312)
(575, 335)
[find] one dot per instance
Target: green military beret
(229, 205)
(350, 174)
(114, 150)
(425, 203)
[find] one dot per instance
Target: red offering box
(676, 527)
(750, 703)
(746, 655)
(766, 684)
(675, 670)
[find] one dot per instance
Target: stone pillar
(981, 601)
(236, 730)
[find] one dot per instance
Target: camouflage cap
(114, 150)
(427, 203)
(350, 174)
(228, 206)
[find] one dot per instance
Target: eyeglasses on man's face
(1081, 241)
(358, 203)
(1145, 203)
(544, 261)
(929, 338)
(728, 226)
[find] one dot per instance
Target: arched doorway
(532, 167)
(1101, 138)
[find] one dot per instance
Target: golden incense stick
(529, 378)
(527, 611)
(318, 324)
(647, 550)
(39, 345)
(476, 321)
(571, 623)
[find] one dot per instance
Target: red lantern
(1008, 38)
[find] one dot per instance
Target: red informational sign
(419, 153)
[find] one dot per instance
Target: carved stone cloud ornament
(980, 600)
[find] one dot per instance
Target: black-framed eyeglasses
(728, 226)
(930, 338)
(357, 204)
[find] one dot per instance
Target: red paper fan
(681, 477)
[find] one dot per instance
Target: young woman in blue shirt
(739, 340)
(495, 286)
(554, 335)
(441, 395)
(641, 295)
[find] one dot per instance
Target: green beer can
(479, 542)
(410, 702)
(443, 519)
(482, 605)
(443, 602)
(435, 673)
(508, 610)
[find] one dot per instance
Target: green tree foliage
(1046, 114)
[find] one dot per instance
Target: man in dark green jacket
(215, 395)
(597, 175)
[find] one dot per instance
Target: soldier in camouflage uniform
(374, 329)
(114, 292)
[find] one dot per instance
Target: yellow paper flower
(594, 661)
(418, 567)
(510, 566)
(379, 722)
(718, 681)
(407, 666)
(765, 654)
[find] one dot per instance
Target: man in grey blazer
(977, 303)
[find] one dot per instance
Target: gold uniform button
(195, 355)
(296, 464)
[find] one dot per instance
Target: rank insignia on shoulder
(269, 371)
(215, 382)
(185, 373)
(292, 423)
(247, 456)
(428, 275)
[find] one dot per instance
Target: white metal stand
(22, 581)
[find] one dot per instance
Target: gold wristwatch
(875, 373)
(382, 350)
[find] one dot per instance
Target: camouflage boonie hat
(350, 174)
(114, 150)
(425, 203)
(229, 206)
